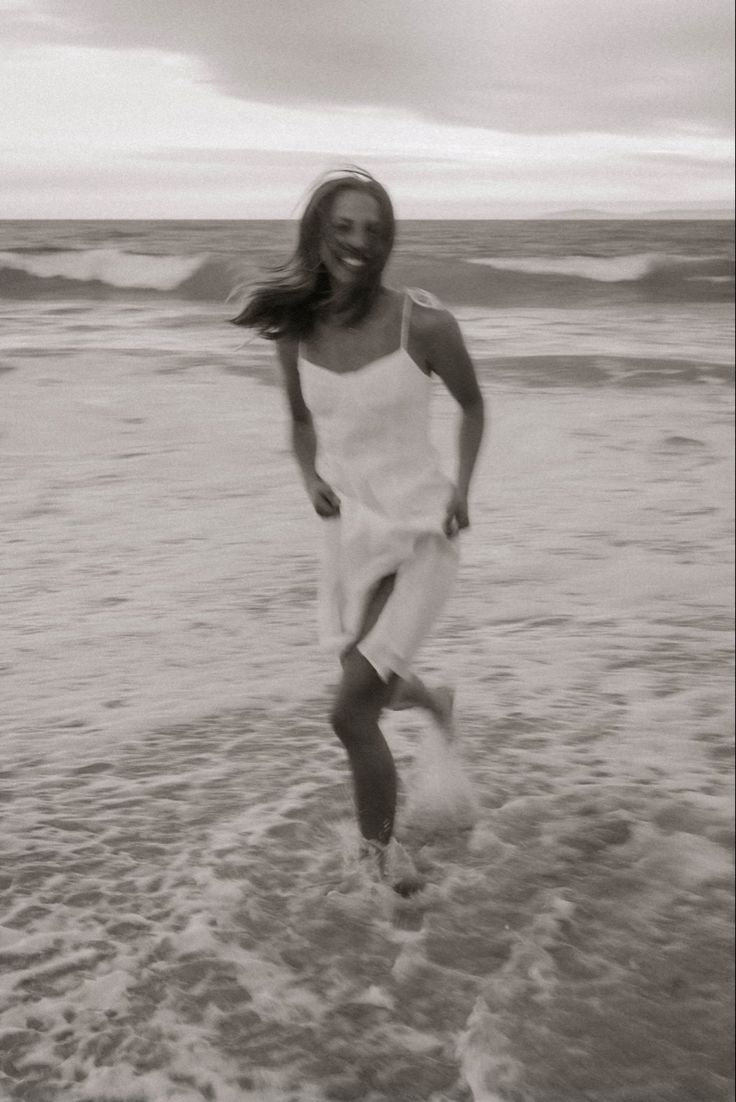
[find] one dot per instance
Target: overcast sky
(463, 108)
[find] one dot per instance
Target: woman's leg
(409, 692)
(418, 593)
(361, 697)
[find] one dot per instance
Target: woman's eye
(345, 227)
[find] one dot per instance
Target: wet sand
(181, 912)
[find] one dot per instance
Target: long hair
(289, 303)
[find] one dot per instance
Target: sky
(462, 108)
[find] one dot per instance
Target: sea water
(182, 916)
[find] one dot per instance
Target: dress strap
(405, 319)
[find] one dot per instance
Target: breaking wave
(611, 269)
(96, 273)
(93, 272)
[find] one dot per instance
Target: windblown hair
(289, 304)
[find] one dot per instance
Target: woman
(356, 358)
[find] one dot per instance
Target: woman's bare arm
(444, 352)
(303, 436)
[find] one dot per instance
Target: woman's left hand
(456, 515)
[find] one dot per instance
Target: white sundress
(372, 429)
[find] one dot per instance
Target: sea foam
(440, 796)
(602, 269)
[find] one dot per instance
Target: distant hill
(719, 215)
(714, 214)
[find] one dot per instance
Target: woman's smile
(352, 262)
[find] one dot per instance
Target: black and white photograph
(366, 551)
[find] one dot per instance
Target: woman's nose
(356, 237)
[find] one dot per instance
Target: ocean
(182, 915)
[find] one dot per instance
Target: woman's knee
(345, 720)
(354, 714)
(360, 699)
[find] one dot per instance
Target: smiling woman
(356, 358)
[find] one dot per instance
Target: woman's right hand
(323, 498)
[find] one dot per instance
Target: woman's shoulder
(429, 315)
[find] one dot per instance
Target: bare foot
(394, 866)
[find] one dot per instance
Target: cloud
(523, 66)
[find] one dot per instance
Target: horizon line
(678, 215)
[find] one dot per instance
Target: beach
(182, 915)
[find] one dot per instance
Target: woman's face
(354, 241)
